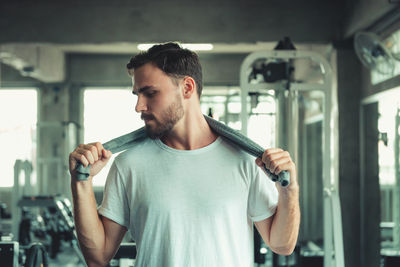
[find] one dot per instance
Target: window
(224, 103)
(108, 113)
(18, 109)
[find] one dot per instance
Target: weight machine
(273, 70)
(20, 188)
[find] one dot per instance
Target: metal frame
(20, 190)
(47, 184)
(396, 213)
(333, 234)
(6, 249)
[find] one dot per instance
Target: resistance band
(128, 140)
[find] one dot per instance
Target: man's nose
(141, 104)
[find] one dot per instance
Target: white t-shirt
(189, 207)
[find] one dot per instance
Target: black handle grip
(283, 178)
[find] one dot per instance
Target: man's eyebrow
(141, 90)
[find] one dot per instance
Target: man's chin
(151, 133)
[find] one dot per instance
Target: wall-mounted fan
(374, 54)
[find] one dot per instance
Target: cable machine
(273, 70)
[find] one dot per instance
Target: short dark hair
(173, 60)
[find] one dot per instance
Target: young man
(188, 196)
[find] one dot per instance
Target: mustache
(147, 117)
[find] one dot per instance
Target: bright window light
(389, 106)
(225, 104)
(193, 47)
(108, 113)
(18, 109)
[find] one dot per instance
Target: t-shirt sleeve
(115, 202)
(263, 196)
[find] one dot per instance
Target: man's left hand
(277, 160)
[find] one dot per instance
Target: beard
(163, 126)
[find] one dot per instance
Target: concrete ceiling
(223, 21)
(33, 32)
(233, 25)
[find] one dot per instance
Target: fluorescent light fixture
(194, 47)
(198, 47)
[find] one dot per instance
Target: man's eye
(150, 94)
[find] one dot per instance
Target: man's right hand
(93, 154)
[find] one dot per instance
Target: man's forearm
(286, 221)
(89, 227)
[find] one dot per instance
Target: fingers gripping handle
(115, 145)
(283, 178)
(82, 173)
(247, 145)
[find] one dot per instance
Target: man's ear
(189, 87)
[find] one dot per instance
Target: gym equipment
(36, 256)
(52, 168)
(53, 226)
(396, 195)
(12, 254)
(128, 140)
(287, 95)
(390, 261)
(125, 256)
(20, 188)
(5, 221)
(3, 211)
(9, 252)
(292, 260)
(260, 248)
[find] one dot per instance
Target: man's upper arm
(264, 228)
(114, 233)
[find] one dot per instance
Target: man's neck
(191, 132)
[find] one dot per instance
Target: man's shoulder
(235, 150)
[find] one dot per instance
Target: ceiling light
(194, 47)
